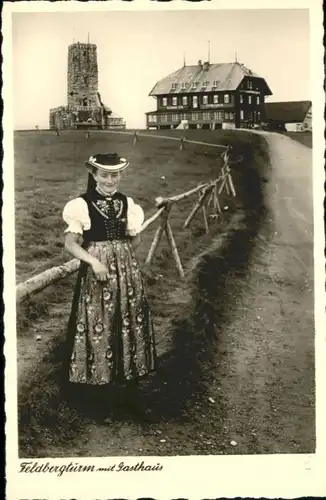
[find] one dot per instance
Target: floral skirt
(111, 335)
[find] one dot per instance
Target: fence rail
(208, 199)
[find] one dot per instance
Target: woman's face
(106, 181)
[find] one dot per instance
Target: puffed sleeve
(135, 217)
(76, 216)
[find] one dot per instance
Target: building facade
(292, 116)
(84, 108)
(209, 96)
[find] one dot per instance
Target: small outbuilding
(292, 116)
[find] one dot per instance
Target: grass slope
(50, 170)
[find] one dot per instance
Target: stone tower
(84, 108)
(82, 75)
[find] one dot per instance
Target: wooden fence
(207, 202)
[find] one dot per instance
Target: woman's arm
(72, 245)
(135, 241)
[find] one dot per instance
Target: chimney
(200, 62)
(206, 66)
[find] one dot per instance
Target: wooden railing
(208, 199)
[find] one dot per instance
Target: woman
(110, 328)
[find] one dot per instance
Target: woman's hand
(100, 270)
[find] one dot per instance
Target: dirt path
(255, 387)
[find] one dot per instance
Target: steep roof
(287, 112)
(228, 76)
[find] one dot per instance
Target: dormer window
(184, 85)
(174, 86)
(194, 85)
(205, 83)
(215, 83)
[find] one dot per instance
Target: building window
(194, 85)
(174, 101)
(174, 117)
(195, 101)
(218, 115)
(185, 100)
(249, 99)
(231, 115)
(215, 83)
(258, 115)
(164, 118)
(205, 99)
(226, 98)
(258, 99)
(183, 116)
(184, 85)
(241, 99)
(164, 101)
(152, 118)
(194, 116)
(215, 99)
(206, 116)
(226, 115)
(249, 84)
(241, 114)
(174, 86)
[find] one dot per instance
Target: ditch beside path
(259, 387)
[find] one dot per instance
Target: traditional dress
(110, 329)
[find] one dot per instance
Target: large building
(292, 116)
(84, 108)
(209, 95)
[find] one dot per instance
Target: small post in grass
(182, 141)
(87, 135)
(57, 131)
(135, 138)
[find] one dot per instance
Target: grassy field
(49, 170)
(304, 137)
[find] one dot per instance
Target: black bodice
(108, 215)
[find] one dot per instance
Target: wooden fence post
(205, 219)
(87, 135)
(135, 138)
(197, 206)
(173, 247)
(157, 236)
(182, 141)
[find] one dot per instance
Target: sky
(136, 49)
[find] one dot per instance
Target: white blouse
(76, 215)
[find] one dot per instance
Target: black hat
(109, 162)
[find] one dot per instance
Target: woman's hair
(91, 183)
